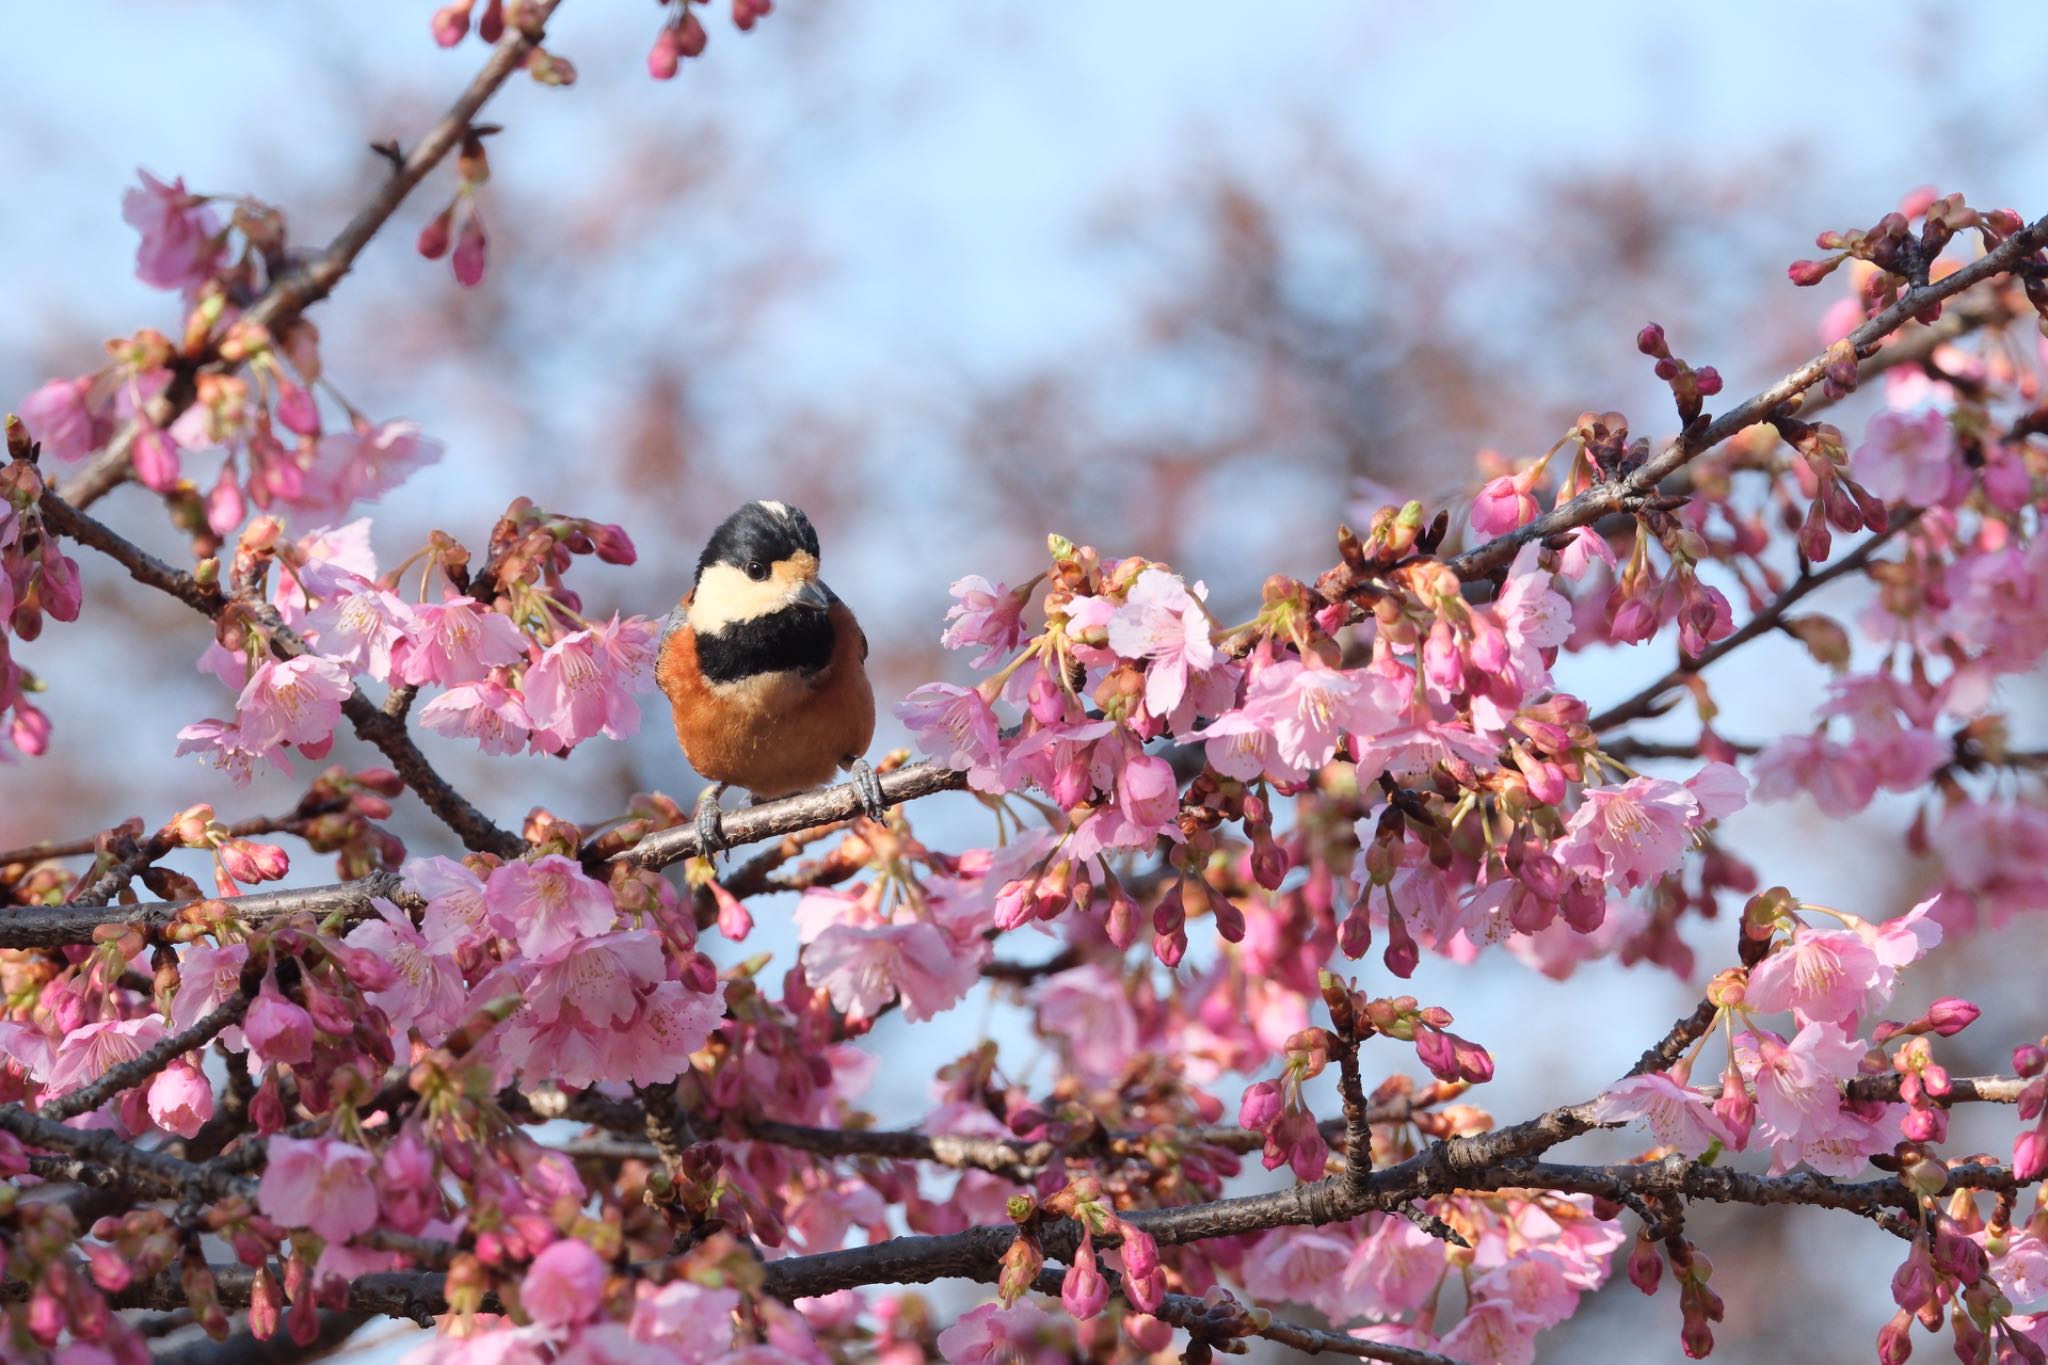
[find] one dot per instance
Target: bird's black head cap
(764, 533)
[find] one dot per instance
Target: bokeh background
(1185, 280)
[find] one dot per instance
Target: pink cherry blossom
(323, 1184)
(488, 712)
(278, 1030)
(563, 1286)
(654, 1047)
(361, 464)
(88, 1051)
(955, 727)
(1505, 503)
(1494, 1331)
(1393, 1271)
(56, 415)
(429, 993)
(454, 917)
(457, 642)
(1677, 1115)
(1837, 776)
(1827, 975)
(291, 701)
(1087, 1010)
(1162, 621)
(1798, 1085)
(181, 243)
(865, 969)
(547, 903)
(1023, 1334)
(987, 615)
(1632, 834)
(1909, 459)
(584, 683)
(1299, 1265)
(180, 1099)
(360, 625)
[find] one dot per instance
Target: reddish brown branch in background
(312, 281)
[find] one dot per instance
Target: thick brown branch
(773, 819)
(49, 927)
(306, 285)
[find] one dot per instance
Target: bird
(766, 669)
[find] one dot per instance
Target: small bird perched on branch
(767, 669)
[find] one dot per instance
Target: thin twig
(148, 1062)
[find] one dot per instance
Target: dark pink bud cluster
(1688, 385)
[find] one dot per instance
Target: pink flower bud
(1084, 1291)
(278, 1029)
(1260, 1106)
(664, 59)
(1650, 341)
(1806, 273)
(1707, 380)
(1401, 954)
(1913, 1282)
(690, 35)
(156, 460)
(451, 22)
(1645, 1265)
(614, 546)
(2030, 1155)
(470, 246)
(437, 234)
(1956, 1254)
(1895, 1339)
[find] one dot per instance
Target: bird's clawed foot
(710, 838)
(868, 788)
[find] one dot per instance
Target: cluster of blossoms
(1383, 756)
(521, 669)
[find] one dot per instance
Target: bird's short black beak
(812, 594)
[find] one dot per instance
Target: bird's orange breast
(772, 733)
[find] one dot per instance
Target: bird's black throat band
(795, 638)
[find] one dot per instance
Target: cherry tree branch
(1622, 494)
(147, 1063)
(313, 280)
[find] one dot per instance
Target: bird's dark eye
(757, 571)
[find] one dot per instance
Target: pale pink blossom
(1909, 459)
(1798, 1085)
(1632, 834)
(1293, 719)
(363, 463)
(864, 969)
(1162, 621)
(181, 238)
(1393, 1271)
(488, 712)
(1087, 1010)
(1493, 1331)
(1830, 975)
(956, 729)
(56, 415)
(1838, 777)
(86, 1053)
(208, 977)
(180, 1099)
(360, 625)
(982, 614)
(1023, 1334)
(291, 701)
(654, 1047)
(564, 1285)
(547, 903)
(1677, 1115)
(321, 1183)
(695, 1317)
(454, 896)
(1299, 1265)
(429, 993)
(584, 683)
(1536, 1284)
(457, 642)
